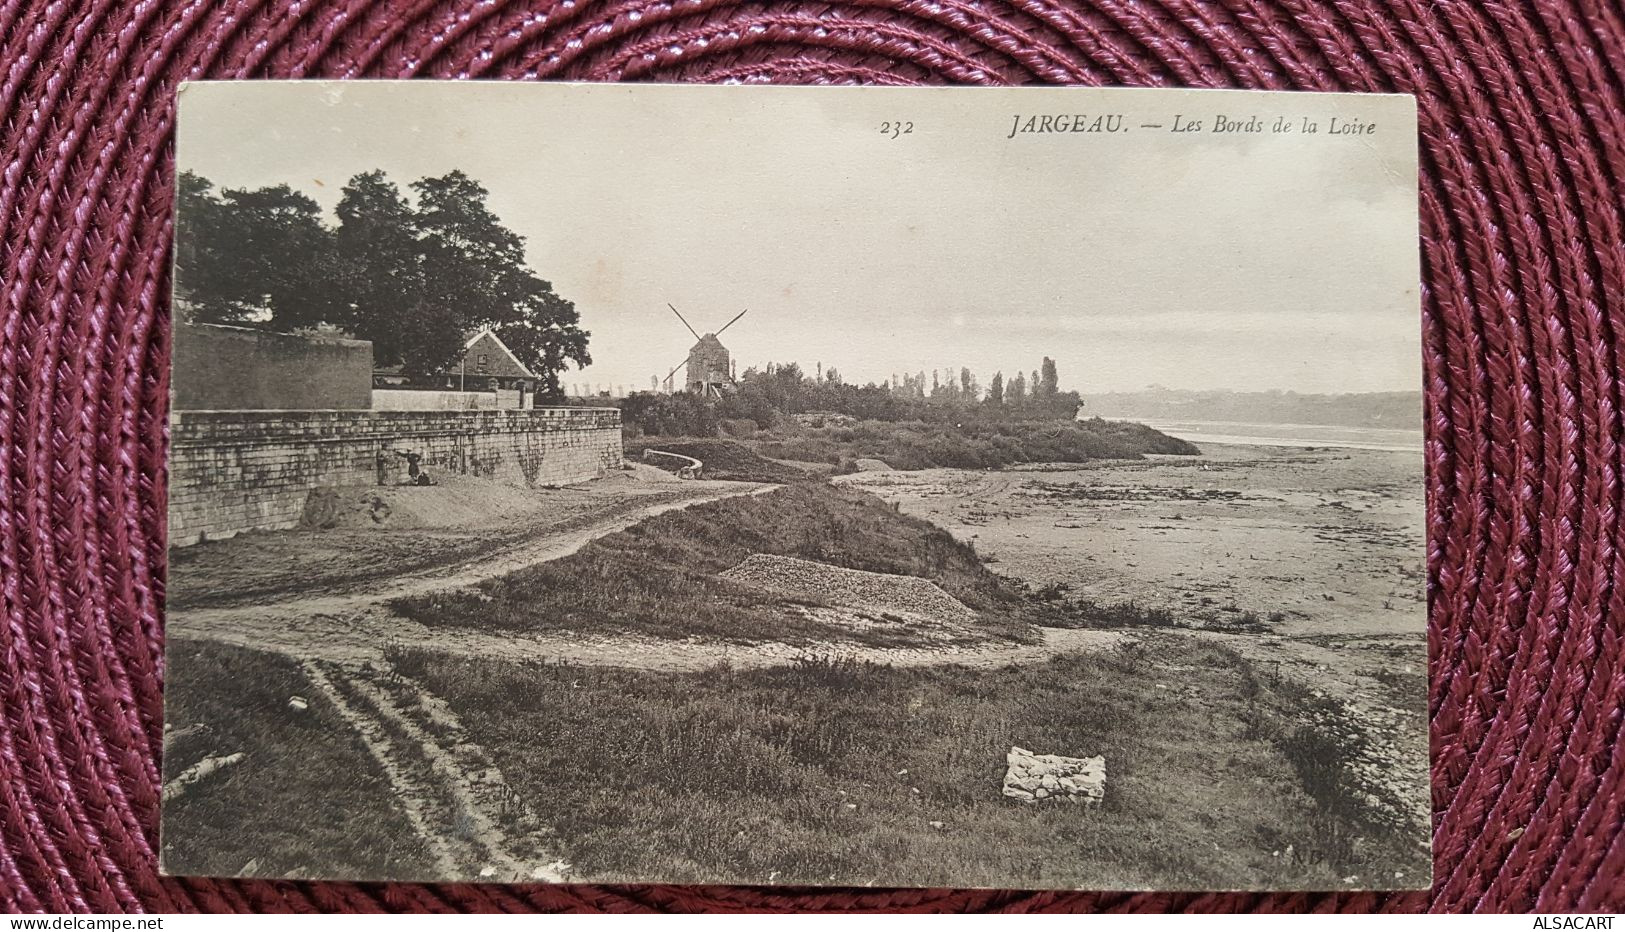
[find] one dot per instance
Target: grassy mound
(660, 577)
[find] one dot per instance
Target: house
(485, 365)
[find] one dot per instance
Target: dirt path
(408, 793)
(448, 787)
(352, 626)
(366, 634)
(695, 655)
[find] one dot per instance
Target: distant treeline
(767, 396)
(1390, 410)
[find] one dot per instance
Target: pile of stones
(879, 592)
(1033, 777)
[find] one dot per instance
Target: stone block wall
(235, 471)
(414, 399)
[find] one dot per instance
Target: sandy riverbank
(1330, 539)
(1325, 545)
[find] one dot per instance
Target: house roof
(494, 339)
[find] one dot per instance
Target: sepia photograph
(855, 486)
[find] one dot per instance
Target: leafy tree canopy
(412, 275)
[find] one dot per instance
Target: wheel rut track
(451, 792)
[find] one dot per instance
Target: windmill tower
(708, 365)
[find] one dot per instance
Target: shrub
(972, 444)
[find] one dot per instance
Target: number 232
(898, 128)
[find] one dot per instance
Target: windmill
(707, 360)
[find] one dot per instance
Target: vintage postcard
(949, 487)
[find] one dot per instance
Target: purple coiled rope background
(1523, 239)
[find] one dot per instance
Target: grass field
(307, 800)
(659, 579)
(831, 772)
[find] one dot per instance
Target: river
(1289, 435)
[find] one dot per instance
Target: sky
(1192, 260)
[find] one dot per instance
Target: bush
(1087, 613)
(678, 415)
(973, 444)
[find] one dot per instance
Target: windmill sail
(729, 323)
(680, 317)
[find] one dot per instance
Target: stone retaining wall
(400, 399)
(235, 471)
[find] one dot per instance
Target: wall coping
(237, 428)
(313, 336)
(247, 413)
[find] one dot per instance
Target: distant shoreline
(1288, 435)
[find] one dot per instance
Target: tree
(381, 257)
(782, 386)
(259, 256)
(202, 278)
(547, 337)
(1051, 384)
(473, 263)
(1018, 390)
(995, 389)
(750, 400)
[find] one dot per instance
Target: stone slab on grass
(1033, 778)
(883, 592)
